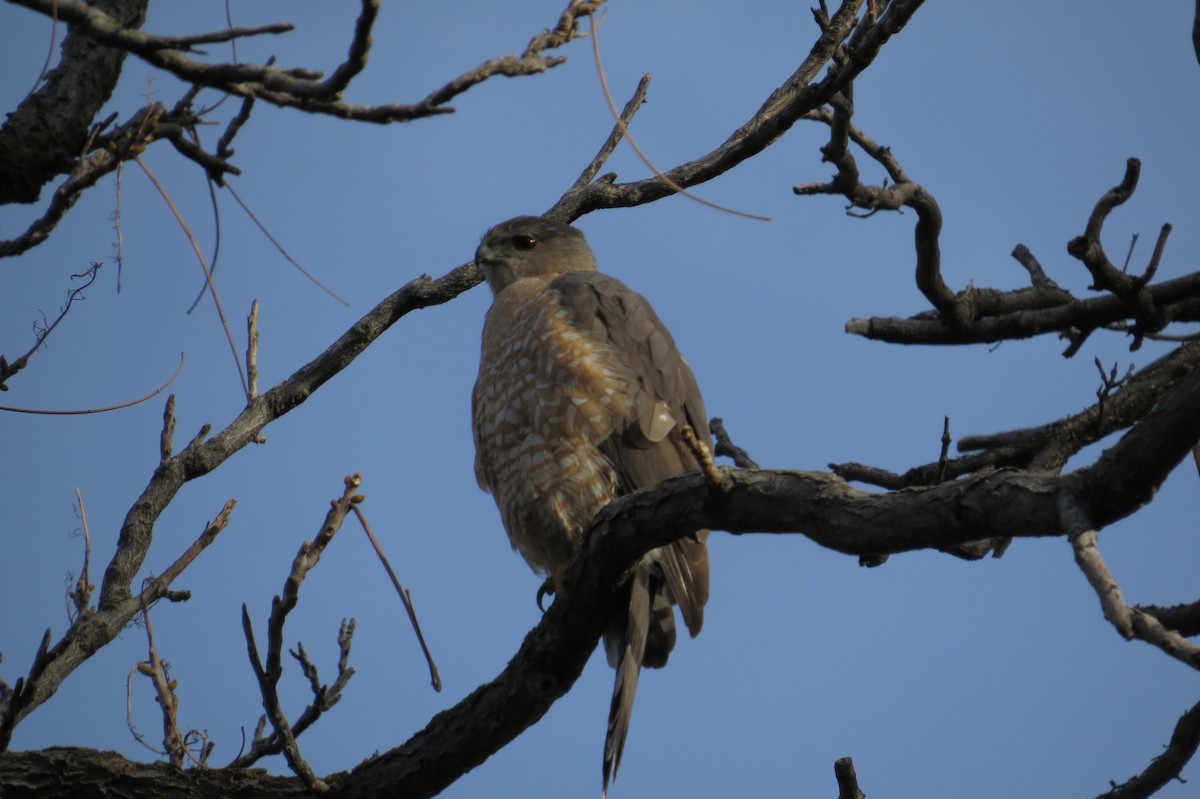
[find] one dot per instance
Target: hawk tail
(632, 647)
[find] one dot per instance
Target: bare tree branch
(988, 315)
(51, 128)
(1049, 446)
(52, 125)
(1167, 766)
(795, 97)
(301, 88)
(957, 311)
(822, 507)
(269, 672)
(324, 698)
(1184, 619)
(964, 505)
(847, 779)
(8, 369)
(124, 143)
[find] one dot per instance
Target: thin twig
(726, 447)
(269, 672)
(217, 37)
(168, 701)
(158, 587)
(106, 408)
(43, 332)
(119, 244)
(324, 698)
(617, 116)
(614, 138)
(281, 249)
(252, 349)
(81, 596)
(944, 457)
(405, 594)
(166, 441)
(1037, 275)
(1130, 623)
(203, 266)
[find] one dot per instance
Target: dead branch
(81, 595)
(54, 123)
(1165, 766)
(823, 508)
(820, 506)
(847, 779)
(798, 95)
(103, 155)
(302, 88)
(405, 595)
(53, 115)
(989, 315)
(956, 310)
(103, 409)
(1049, 446)
(42, 332)
(1184, 619)
(726, 447)
(324, 698)
(269, 672)
(1044, 308)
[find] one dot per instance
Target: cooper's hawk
(582, 396)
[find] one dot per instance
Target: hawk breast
(548, 393)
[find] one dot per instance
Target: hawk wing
(646, 447)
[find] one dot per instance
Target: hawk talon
(544, 590)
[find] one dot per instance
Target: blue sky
(940, 678)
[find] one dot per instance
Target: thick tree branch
(69, 772)
(105, 152)
(50, 128)
(847, 779)
(820, 506)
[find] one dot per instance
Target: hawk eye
(523, 241)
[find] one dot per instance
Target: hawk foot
(546, 589)
(553, 584)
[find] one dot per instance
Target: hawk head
(530, 246)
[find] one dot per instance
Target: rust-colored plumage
(581, 397)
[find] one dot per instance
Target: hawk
(582, 396)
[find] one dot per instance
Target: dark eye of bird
(523, 241)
